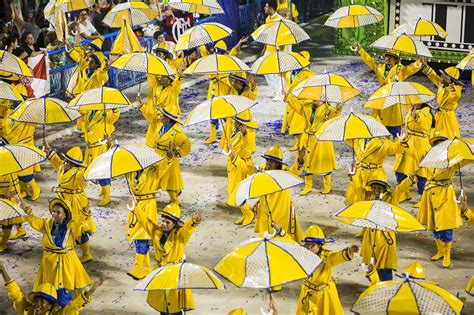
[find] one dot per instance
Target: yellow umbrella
(18, 157)
(8, 93)
(9, 210)
(120, 160)
(420, 27)
(468, 64)
(217, 64)
(279, 62)
(330, 88)
(179, 276)
(264, 183)
(404, 44)
(263, 263)
(126, 41)
(279, 33)
(11, 64)
(399, 93)
(379, 215)
(73, 5)
(219, 107)
(202, 34)
(353, 16)
(134, 13)
(449, 153)
(101, 98)
(207, 7)
(407, 297)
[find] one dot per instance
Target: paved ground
(205, 180)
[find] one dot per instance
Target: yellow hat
(314, 234)
(96, 44)
(172, 211)
(245, 118)
(274, 153)
(45, 290)
(305, 54)
(64, 204)
(237, 311)
(171, 111)
(415, 270)
(392, 53)
(453, 74)
(436, 139)
(221, 47)
(165, 47)
(240, 76)
(74, 155)
(379, 181)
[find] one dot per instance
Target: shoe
(247, 216)
(212, 135)
(36, 191)
(137, 272)
(440, 253)
(4, 240)
(105, 197)
(447, 255)
(308, 186)
(86, 253)
(20, 232)
(326, 185)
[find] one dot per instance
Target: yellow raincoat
(95, 130)
(319, 291)
(152, 116)
(219, 85)
(60, 266)
(469, 217)
(169, 171)
(172, 252)
(169, 95)
(391, 116)
(319, 157)
(4, 112)
(143, 186)
(10, 183)
(154, 88)
(447, 98)
(83, 81)
(71, 188)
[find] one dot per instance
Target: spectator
(28, 47)
(11, 42)
(58, 59)
(32, 26)
(97, 16)
(172, 16)
(86, 29)
(73, 38)
(283, 10)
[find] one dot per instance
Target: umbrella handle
(461, 195)
(401, 135)
(354, 49)
(133, 205)
(352, 170)
(103, 141)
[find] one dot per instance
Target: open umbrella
(44, 111)
(207, 7)
(331, 88)
(73, 5)
(202, 34)
(217, 64)
(18, 157)
(399, 93)
(121, 160)
(8, 93)
(134, 13)
(11, 64)
(280, 33)
(467, 63)
(407, 297)
(404, 44)
(420, 27)
(353, 16)
(379, 215)
(279, 62)
(126, 41)
(9, 210)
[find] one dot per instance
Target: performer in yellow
(9, 187)
(44, 300)
(170, 89)
(293, 122)
(468, 215)
(71, 189)
(418, 125)
(439, 211)
(316, 157)
(240, 145)
(99, 127)
(283, 8)
(171, 143)
(59, 265)
(170, 237)
(389, 71)
(449, 93)
(142, 186)
(318, 293)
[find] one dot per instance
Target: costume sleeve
(16, 296)
(394, 147)
(183, 144)
(35, 222)
(373, 277)
(102, 76)
(368, 59)
(411, 69)
(186, 231)
(76, 305)
(432, 75)
(77, 54)
(55, 160)
(148, 112)
(336, 258)
(469, 216)
(401, 189)
(234, 51)
(177, 83)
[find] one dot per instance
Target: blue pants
(215, 122)
(141, 246)
(303, 173)
(445, 236)
(104, 182)
(420, 183)
(385, 274)
(26, 179)
(179, 313)
(64, 297)
(394, 130)
(84, 239)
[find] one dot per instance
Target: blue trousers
(385, 274)
(84, 239)
(64, 297)
(394, 130)
(215, 122)
(26, 179)
(445, 236)
(141, 246)
(104, 182)
(420, 183)
(179, 313)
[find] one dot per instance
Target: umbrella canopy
(143, 62)
(8, 93)
(9, 210)
(448, 153)
(99, 99)
(18, 157)
(207, 7)
(219, 107)
(11, 64)
(407, 297)
(351, 127)
(263, 263)
(404, 44)
(280, 32)
(217, 64)
(134, 13)
(399, 93)
(264, 183)
(279, 62)
(120, 160)
(202, 34)
(179, 276)
(330, 88)
(126, 41)
(73, 5)
(44, 111)
(467, 63)
(420, 27)
(353, 16)
(379, 215)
